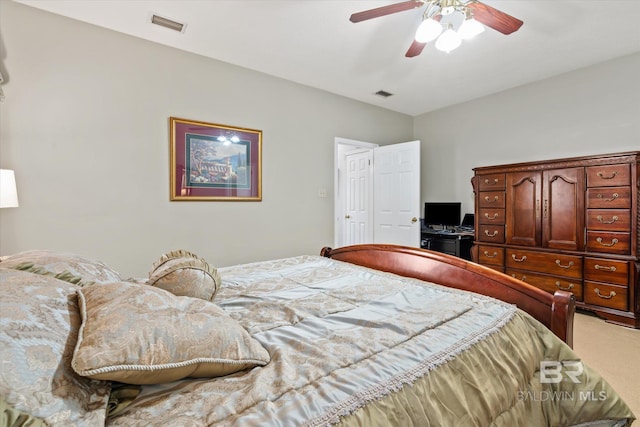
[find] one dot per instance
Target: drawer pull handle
(524, 258)
(486, 253)
(602, 175)
(523, 278)
(495, 215)
(495, 199)
(604, 267)
(613, 219)
(564, 266)
(613, 197)
(495, 181)
(611, 294)
(613, 242)
(568, 288)
(494, 234)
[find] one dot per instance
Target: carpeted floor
(614, 352)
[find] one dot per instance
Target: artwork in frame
(214, 162)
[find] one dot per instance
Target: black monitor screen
(442, 213)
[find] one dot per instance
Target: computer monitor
(442, 213)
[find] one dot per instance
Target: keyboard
(464, 229)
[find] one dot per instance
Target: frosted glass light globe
(428, 31)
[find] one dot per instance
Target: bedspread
(361, 347)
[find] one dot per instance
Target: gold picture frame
(214, 162)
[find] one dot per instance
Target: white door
(396, 194)
(358, 206)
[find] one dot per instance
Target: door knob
(414, 219)
(347, 216)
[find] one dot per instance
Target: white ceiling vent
(383, 93)
(168, 23)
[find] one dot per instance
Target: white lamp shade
(428, 30)
(8, 191)
(448, 41)
(470, 28)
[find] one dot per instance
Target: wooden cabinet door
(523, 225)
(563, 209)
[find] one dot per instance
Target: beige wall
(594, 110)
(85, 126)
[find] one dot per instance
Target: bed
(366, 335)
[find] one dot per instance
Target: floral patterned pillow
(139, 334)
(65, 266)
(39, 323)
(185, 274)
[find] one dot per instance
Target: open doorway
(377, 193)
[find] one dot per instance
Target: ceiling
(313, 43)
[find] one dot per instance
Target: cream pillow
(138, 334)
(185, 274)
(39, 322)
(65, 266)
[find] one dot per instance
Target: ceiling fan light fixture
(461, 13)
(447, 7)
(428, 30)
(448, 41)
(470, 27)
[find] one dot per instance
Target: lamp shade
(8, 191)
(448, 41)
(428, 30)
(470, 28)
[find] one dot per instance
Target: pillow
(9, 416)
(139, 334)
(65, 266)
(185, 274)
(39, 322)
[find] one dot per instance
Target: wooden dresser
(571, 224)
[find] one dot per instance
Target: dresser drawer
(608, 242)
(606, 270)
(609, 198)
(605, 295)
(544, 262)
(491, 199)
(609, 219)
(495, 267)
(491, 182)
(608, 175)
(491, 233)
(490, 255)
(491, 216)
(549, 283)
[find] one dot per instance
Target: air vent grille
(383, 93)
(167, 23)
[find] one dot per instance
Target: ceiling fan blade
(493, 18)
(415, 49)
(385, 10)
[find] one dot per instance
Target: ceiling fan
(441, 17)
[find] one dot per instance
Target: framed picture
(214, 162)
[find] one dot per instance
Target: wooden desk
(456, 243)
